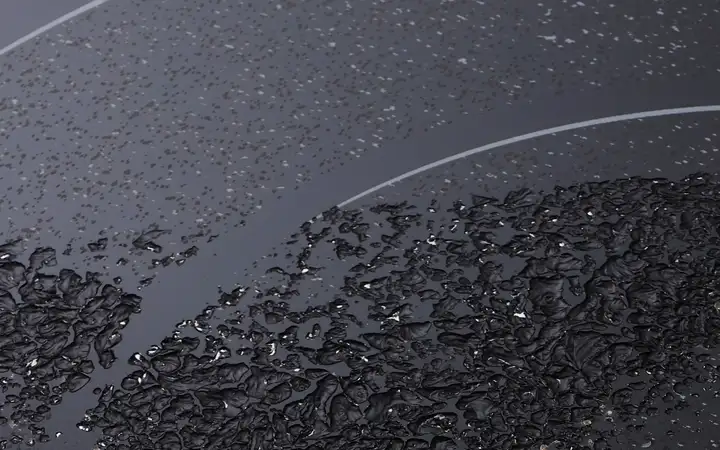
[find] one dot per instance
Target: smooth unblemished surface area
(173, 148)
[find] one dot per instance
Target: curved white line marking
(534, 134)
(53, 24)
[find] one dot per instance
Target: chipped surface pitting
(56, 327)
(575, 316)
(192, 115)
(668, 147)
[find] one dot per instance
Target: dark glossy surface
(243, 120)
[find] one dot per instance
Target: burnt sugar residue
(561, 319)
(56, 326)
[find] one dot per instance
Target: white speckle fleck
(462, 60)
(551, 38)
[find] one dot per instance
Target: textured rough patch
(567, 317)
(55, 327)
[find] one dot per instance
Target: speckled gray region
(22, 17)
(670, 147)
(191, 115)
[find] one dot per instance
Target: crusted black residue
(538, 320)
(54, 328)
